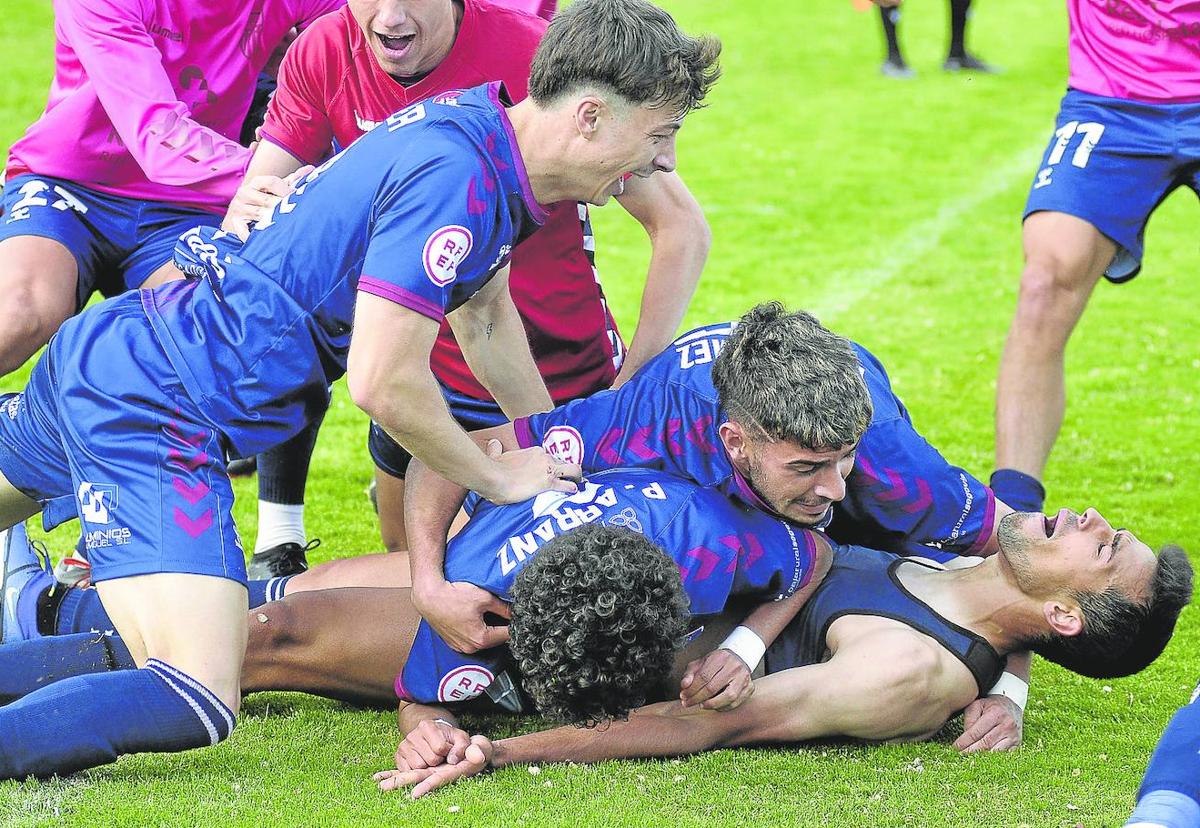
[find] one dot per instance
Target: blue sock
(272, 589)
(26, 666)
(86, 721)
(1019, 490)
(82, 612)
(1170, 793)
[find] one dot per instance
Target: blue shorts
(471, 414)
(1111, 162)
(118, 242)
(105, 424)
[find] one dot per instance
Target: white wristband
(744, 643)
(1011, 687)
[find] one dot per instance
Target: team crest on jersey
(564, 444)
(13, 406)
(444, 252)
(449, 97)
(464, 683)
(97, 501)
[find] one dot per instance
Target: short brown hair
(787, 377)
(630, 46)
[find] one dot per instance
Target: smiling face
(408, 37)
(1072, 553)
(800, 483)
(623, 140)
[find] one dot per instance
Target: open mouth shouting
(395, 47)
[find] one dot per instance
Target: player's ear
(588, 112)
(1065, 618)
(733, 436)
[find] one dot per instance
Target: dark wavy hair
(596, 618)
(1120, 636)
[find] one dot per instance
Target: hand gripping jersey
(864, 582)
(902, 494)
(1142, 50)
(332, 90)
(422, 211)
(723, 550)
(149, 96)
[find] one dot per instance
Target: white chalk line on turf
(842, 290)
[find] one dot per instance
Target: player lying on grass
(884, 649)
(346, 75)
(765, 411)
(135, 146)
(129, 413)
(596, 606)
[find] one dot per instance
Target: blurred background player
(137, 144)
(1127, 134)
(348, 73)
(958, 59)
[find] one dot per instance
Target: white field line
(844, 289)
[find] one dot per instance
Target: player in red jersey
(350, 71)
(542, 8)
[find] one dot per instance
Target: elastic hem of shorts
(9, 462)
(1079, 214)
(112, 572)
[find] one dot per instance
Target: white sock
(279, 523)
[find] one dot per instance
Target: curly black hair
(596, 618)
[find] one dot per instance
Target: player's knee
(31, 316)
(213, 698)
(273, 632)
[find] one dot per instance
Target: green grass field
(892, 210)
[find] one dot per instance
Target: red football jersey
(332, 90)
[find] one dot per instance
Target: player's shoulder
(502, 42)
(519, 28)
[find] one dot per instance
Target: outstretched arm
(388, 376)
(921, 681)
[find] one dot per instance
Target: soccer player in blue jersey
(885, 649)
(771, 412)
(129, 414)
(569, 588)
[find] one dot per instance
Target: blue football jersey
(723, 549)
(421, 211)
(902, 494)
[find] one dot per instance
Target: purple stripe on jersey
(989, 518)
(810, 547)
(397, 294)
(535, 210)
(401, 693)
(264, 135)
(524, 432)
